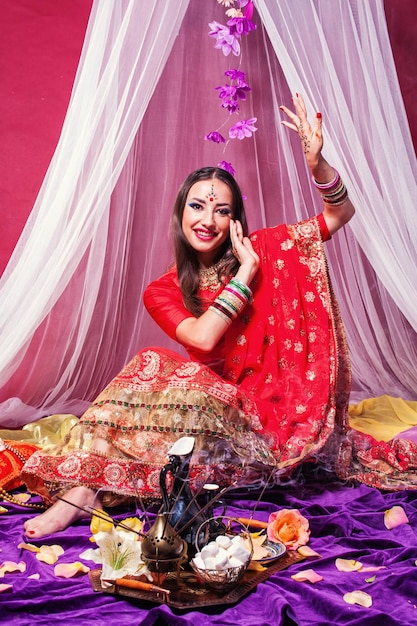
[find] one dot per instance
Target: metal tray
(187, 592)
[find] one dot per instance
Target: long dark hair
(185, 256)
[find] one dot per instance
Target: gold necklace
(5, 495)
(209, 278)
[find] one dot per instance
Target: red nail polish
(30, 532)
(319, 115)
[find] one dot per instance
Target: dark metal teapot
(179, 504)
(163, 547)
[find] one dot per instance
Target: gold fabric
(383, 417)
(48, 431)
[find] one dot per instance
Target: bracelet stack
(334, 192)
(232, 300)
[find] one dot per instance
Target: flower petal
(10, 566)
(395, 517)
(371, 568)
(4, 587)
(259, 552)
(28, 546)
(348, 565)
(254, 565)
(259, 535)
(49, 554)
(134, 523)
(22, 497)
(225, 165)
(68, 570)
(308, 552)
(215, 136)
(3, 509)
(92, 554)
(98, 524)
(258, 539)
(371, 579)
(307, 575)
(35, 576)
(358, 597)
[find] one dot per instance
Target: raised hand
(244, 252)
(311, 136)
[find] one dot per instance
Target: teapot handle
(163, 484)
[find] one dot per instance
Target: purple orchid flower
(225, 40)
(226, 92)
(238, 76)
(241, 91)
(215, 136)
(243, 129)
(231, 105)
(239, 26)
(225, 165)
(230, 94)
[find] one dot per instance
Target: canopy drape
(143, 99)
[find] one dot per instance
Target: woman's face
(206, 218)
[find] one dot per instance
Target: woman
(268, 379)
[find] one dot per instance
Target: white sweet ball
(198, 562)
(209, 563)
(221, 559)
(223, 541)
(237, 539)
(239, 551)
(234, 562)
(211, 549)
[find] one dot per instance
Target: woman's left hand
(244, 252)
(311, 136)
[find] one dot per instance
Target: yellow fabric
(48, 431)
(383, 417)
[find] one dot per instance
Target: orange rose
(289, 527)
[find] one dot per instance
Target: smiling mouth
(205, 235)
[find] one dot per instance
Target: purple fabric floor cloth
(346, 521)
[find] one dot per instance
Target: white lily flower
(121, 555)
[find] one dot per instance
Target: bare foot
(61, 514)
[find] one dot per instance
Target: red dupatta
(287, 350)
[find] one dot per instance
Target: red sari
(268, 397)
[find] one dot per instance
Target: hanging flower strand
(230, 94)
(227, 40)
(243, 129)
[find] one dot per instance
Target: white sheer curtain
(339, 54)
(71, 312)
(67, 271)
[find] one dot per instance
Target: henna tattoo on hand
(304, 139)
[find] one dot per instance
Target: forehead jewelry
(211, 195)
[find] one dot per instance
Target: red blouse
(164, 302)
